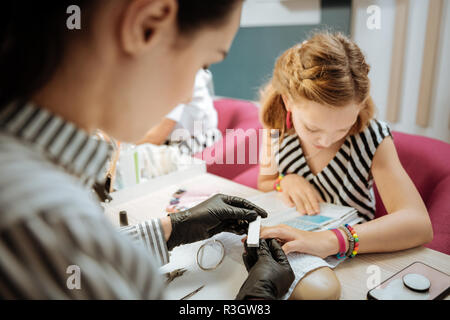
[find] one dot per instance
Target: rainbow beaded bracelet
(276, 185)
(351, 240)
(355, 236)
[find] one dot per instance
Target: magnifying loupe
(210, 255)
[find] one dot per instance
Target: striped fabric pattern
(197, 143)
(347, 179)
(150, 235)
(63, 143)
(49, 221)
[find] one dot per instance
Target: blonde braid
(329, 69)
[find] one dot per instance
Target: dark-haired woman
(56, 86)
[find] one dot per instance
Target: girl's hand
(297, 190)
(321, 244)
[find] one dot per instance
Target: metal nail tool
(192, 293)
(175, 274)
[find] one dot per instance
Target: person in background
(187, 129)
(58, 85)
(198, 119)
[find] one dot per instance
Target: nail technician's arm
(217, 214)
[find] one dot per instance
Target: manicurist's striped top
(55, 241)
(347, 179)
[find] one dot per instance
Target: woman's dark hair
(195, 14)
(33, 36)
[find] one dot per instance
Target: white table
(353, 274)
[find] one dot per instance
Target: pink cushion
(249, 177)
(427, 162)
(239, 150)
(438, 206)
(235, 113)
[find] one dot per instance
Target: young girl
(331, 149)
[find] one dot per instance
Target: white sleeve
(201, 108)
(177, 113)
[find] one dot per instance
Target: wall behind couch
(398, 81)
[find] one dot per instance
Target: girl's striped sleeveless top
(347, 179)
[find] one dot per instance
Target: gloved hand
(269, 272)
(217, 214)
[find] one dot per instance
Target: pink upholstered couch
(426, 160)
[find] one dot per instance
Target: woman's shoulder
(33, 184)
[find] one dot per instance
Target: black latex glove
(217, 214)
(269, 272)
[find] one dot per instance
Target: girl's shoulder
(276, 138)
(376, 130)
(275, 133)
(380, 127)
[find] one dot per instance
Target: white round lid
(416, 282)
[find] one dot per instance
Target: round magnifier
(210, 255)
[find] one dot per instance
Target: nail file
(253, 232)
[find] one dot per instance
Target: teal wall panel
(251, 58)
